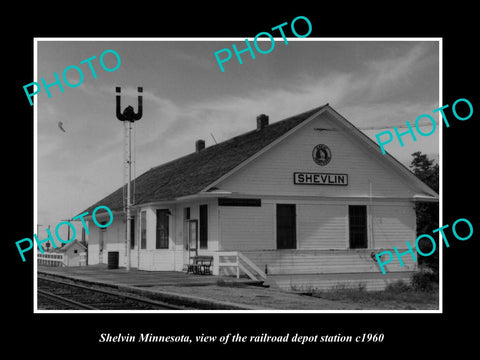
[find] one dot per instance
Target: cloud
(382, 93)
(193, 61)
(360, 97)
(169, 128)
(390, 75)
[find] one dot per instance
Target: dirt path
(275, 299)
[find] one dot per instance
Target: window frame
(165, 242)
(357, 226)
(143, 230)
(203, 230)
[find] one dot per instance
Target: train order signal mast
(128, 116)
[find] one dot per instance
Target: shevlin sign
(303, 178)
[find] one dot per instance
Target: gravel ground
(268, 298)
(264, 298)
(254, 296)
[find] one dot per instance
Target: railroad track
(66, 295)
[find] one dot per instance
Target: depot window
(357, 219)
(143, 230)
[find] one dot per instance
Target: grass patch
(425, 279)
(397, 295)
(420, 293)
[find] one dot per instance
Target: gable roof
(422, 191)
(69, 245)
(192, 173)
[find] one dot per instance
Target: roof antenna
(213, 138)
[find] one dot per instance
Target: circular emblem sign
(321, 154)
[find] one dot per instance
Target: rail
(85, 296)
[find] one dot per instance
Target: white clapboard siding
(94, 245)
(247, 228)
(113, 240)
(92, 253)
(272, 172)
(321, 226)
(368, 281)
(213, 241)
(179, 259)
(393, 226)
(133, 258)
(156, 260)
(322, 261)
(163, 260)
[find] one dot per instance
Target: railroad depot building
(306, 201)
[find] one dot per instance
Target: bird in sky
(60, 125)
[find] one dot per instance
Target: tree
(427, 212)
(422, 167)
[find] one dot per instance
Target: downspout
(371, 215)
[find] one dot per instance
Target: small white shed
(72, 253)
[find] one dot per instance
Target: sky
(186, 97)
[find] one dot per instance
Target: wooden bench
(201, 264)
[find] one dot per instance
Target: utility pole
(128, 117)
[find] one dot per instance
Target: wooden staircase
(235, 263)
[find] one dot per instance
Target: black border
(412, 335)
